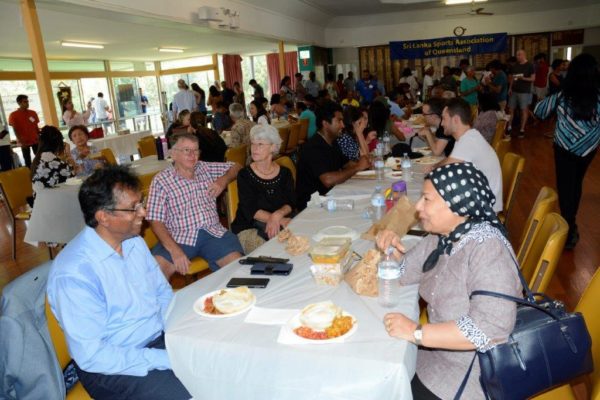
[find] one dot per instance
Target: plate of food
(394, 174)
(321, 323)
(368, 172)
(225, 303)
(426, 160)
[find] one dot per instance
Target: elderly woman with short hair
(240, 131)
(266, 192)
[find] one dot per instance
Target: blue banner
(449, 46)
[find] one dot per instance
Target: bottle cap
(399, 186)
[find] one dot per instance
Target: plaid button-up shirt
(184, 205)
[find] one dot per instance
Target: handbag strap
(463, 384)
(517, 300)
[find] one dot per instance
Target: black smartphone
(250, 282)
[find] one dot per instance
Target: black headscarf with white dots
(468, 194)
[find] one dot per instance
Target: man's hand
(180, 260)
(216, 188)
(363, 163)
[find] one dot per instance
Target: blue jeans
(157, 385)
(207, 246)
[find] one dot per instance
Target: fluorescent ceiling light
(84, 45)
(452, 2)
(168, 50)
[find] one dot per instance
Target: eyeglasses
(187, 151)
(137, 208)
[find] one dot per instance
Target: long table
(229, 358)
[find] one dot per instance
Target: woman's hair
(197, 120)
(556, 63)
(236, 110)
(275, 99)
(580, 86)
(268, 133)
(82, 128)
(379, 114)
(406, 72)
(51, 140)
(182, 115)
(64, 104)
(351, 115)
(487, 102)
(198, 89)
(301, 105)
(284, 81)
(260, 110)
(214, 92)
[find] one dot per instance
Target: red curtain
(232, 67)
(291, 67)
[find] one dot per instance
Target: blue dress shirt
(110, 306)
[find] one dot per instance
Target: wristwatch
(418, 335)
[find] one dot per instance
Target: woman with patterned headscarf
(466, 250)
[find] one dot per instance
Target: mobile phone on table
(249, 282)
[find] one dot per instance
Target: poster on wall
(449, 46)
(63, 95)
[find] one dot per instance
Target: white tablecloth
(231, 359)
(56, 215)
(121, 145)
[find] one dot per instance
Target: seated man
(433, 132)
(471, 146)
(182, 210)
(221, 120)
(240, 131)
(110, 296)
(322, 164)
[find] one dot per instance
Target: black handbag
(547, 348)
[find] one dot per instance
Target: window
(255, 67)
(58, 89)
(186, 62)
(68, 66)
(13, 64)
(131, 66)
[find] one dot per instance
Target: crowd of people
(114, 316)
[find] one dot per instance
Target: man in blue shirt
(110, 296)
(143, 101)
(306, 113)
(366, 87)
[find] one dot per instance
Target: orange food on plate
(340, 326)
(209, 307)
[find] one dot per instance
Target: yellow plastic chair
(77, 392)
(303, 130)
(512, 168)
(292, 142)
(501, 148)
(287, 162)
(237, 154)
(232, 199)
(499, 134)
(588, 307)
(546, 247)
(284, 134)
(146, 181)
(16, 187)
(146, 146)
(545, 203)
(106, 155)
(198, 264)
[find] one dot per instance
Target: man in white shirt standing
(183, 100)
(427, 81)
(471, 146)
(102, 109)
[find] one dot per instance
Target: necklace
(268, 172)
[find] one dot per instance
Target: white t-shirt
(472, 147)
(262, 120)
(100, 106)
(427, 83)
(184, 100)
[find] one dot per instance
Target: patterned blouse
(480, 260)
(87, 163)
(51, 170)
(349, 146)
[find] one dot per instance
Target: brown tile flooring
(572, 275)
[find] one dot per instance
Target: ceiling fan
(473, 12)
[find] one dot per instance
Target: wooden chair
(77, 392)
(588, 307)
(545, 203)
(105, 155)
(292, 142)
(15, 186)
(147, 146)
(198, 264)
(499, 134)
(303, 137)
(287, 162)
(232, 200)
(284, 134)
(546, 247)
(512, 168)
(237, 154)
(501, 148)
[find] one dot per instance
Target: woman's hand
(359, 126)
(285, 221)
(399, 326)
(273, 224)
(371, 136)
(386, 239)
(84, 153)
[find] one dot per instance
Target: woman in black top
(265, 191)
(555, 78)
(212, 146)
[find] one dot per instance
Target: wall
(371, 30)
(345, 55)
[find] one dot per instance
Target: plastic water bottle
(406, 165)
(378, 204)
(338, 205)
(388, 272)
(387, 150)
(378, 163)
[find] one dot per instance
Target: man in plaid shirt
(183, 214)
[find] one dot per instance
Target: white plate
(199, 306)
(426, 160)
(369, 172)
(337, 232)
(394, 175)
(295, 323)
